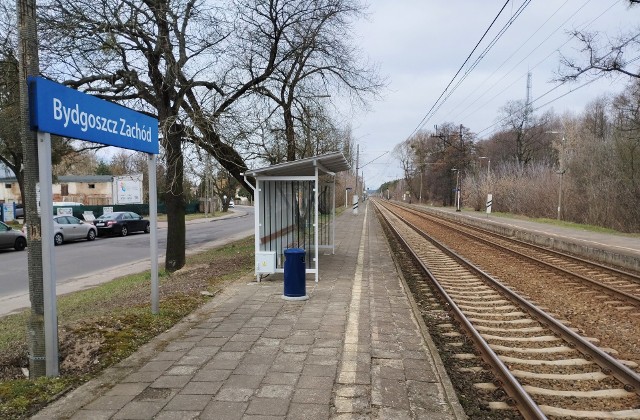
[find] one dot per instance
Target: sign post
(60, 110)
(489, 203)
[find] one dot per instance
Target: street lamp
(488, 165)
(561, 171)
(457, 188)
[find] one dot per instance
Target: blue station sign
(66, 112)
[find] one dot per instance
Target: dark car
(121, 223)
(12, 238)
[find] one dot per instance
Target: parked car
(69, 228)
(231, 204)
(12, 238)
(19, 211)
(121, 223)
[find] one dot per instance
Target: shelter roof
(327, 163)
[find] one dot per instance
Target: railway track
(545, 368)
(620, 285)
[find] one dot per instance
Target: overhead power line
(460, 69)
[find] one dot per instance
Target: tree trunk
(174, 199)
(289, 134)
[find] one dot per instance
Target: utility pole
(355, 191)
(29, 66)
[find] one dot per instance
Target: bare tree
(187, 62)
(525, 134)
(615, 56)
(323, 60)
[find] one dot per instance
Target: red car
(121, 223)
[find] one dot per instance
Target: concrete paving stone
(324, 351)
(389, 393)
(234, 394)
(128, 389)
(262, 417)
(139, 410)
(419, 370)
(220, 334)
(157, 366)
(352, 405)
(352, 390)
(259, 358)
(110, 402)
(327, 342)
(352, 416)
(237, 346)
(420, 355)
(202, 351)
(177, 415)
(269, 342)
(329, 334)
(201, 388)
(193, 360)
(299, 411)
(320, 382)
(184, 402)
(252, 338)
(286, 367)
(275, 333)
(268, 406)
(259, 321)
(169, 355)
(182, 370)
(142, 377)
(354, 377)
(296, 348)
(312, 396)
(264, 350)
(252, 369)
(156, 394)
(179, 345)
(355, 366)
(387, 413)
(320, 370)
(212, 375)
(243, 381)
(171, 381)
(303, 339)
(427, 395)
(280, 378)
(387, 372)
(93, 415)
(290, 358)
(215, 342)
(275, 391)
(230, 327)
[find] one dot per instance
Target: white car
(69, 228)
(231, 203)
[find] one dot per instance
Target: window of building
(92, 185)
(64, 189)
(7, 185)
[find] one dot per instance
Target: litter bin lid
(294, 251)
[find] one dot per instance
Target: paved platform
(618, 249)
(354, 350)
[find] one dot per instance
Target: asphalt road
(83, 264)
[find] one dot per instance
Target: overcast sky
(419, 46)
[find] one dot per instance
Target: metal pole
(48, 257)
(29, 66)
(458, 190)
(420, 194)
(561, 179)
(153, 239)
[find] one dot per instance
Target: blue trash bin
(294, 275)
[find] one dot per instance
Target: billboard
(127, 189)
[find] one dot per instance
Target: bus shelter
(295, 208)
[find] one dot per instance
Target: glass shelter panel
(287, 218)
